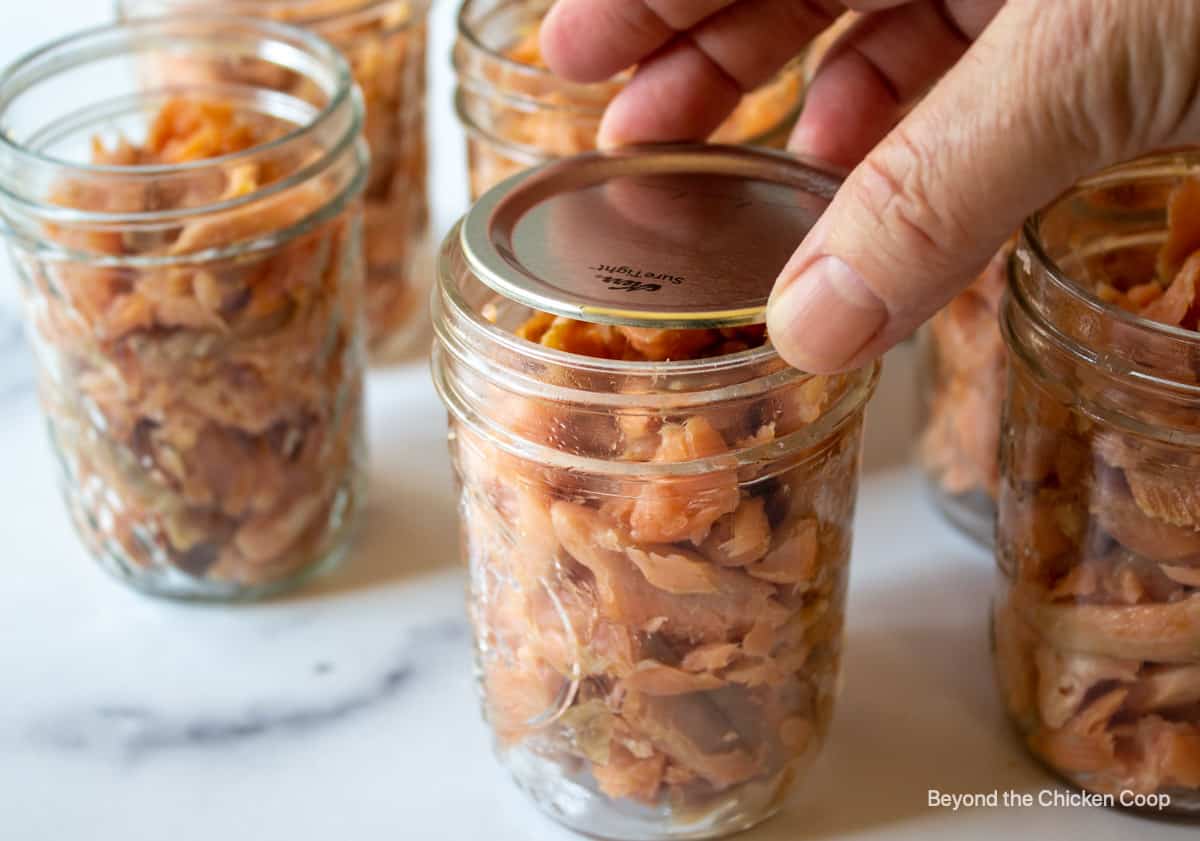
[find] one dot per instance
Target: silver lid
(650, 236)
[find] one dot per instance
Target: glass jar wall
(517, 114)
(190, 258)
(657, 528)
(1097, 622)
(385, 43)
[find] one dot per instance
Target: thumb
(1049, 93)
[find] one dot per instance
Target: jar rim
(82, 47)
(467, 37)
(319, 48)
(465, 31)
(521, 154)
(1122, 174)
(531, 156)
(262, 9)
(1033, 250)
(340, 118)
(812, 437)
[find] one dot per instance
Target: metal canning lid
(650, 236)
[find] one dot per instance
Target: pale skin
(956, 118)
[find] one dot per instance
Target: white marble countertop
(347, 710)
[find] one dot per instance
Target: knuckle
(1163, 82)
(639, 20)
(1094, 108)
(1113, 79)
(895, 188)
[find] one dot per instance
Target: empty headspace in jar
(1105, 235)
(486, 57)
(66, 103)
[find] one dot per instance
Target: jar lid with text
(671, 236)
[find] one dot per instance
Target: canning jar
(656, 519)
(191, 264)
(1097, 623)
(517, 114)
(385, 44)
(961, 373)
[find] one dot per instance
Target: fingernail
(803, 137)
(605, 143)
(606, 138)
(820, 320)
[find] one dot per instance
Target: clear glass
(658, 556)
(961, 372)
(385, 42)
(1097, 623)
(517, 114)
(191, 263)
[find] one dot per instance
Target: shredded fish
(657, 633)
(1098, 639)
(218, 401)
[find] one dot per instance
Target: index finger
(591, 40)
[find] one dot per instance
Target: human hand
(1027, 97)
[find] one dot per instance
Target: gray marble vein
(130, 732)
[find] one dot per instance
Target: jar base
(173, 585)
(1184, 805)
(183, 588)
(572, 801)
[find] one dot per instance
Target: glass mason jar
(191, 264)
(385, 43)
(657, 525)
(1097, 623)
(517, 114)
(961, 372)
